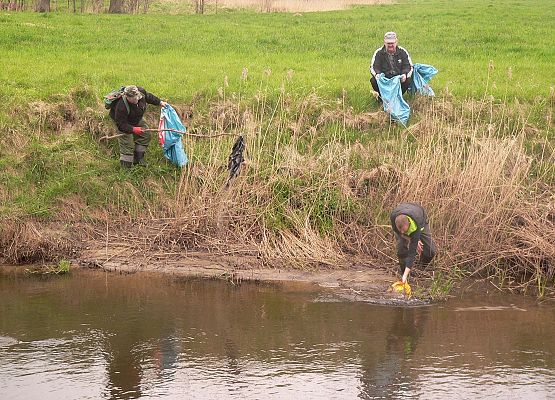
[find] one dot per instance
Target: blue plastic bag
(392, 96)
(422, 74)
(171, 141)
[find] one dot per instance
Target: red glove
(137, 130)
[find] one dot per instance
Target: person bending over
(412, 233)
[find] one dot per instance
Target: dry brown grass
(491, 216)
(487, 214)
(310, 197)
(31, 241)
(295, 5)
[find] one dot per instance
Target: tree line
(95, 6)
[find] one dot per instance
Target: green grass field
(177, 56)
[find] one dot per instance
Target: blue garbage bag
(392, 96)
(422, 74)
(171, 141)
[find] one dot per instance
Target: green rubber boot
(139, 159)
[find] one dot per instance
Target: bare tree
(97, 6)
(42, 6)
(199, 6)
(267, 5)
(132, 6)
(116, 6)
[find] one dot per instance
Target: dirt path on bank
(356, 283)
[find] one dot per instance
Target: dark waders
(132, 147)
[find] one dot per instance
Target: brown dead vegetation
(310, 198)
(295, 5)
(24, 242)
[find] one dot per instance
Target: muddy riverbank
(172, 248)
(157, 248)
(353, 283)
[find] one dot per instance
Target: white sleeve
(372, 70)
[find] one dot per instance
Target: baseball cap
(390, 37)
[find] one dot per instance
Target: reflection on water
(96, 335)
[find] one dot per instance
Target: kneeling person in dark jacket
(391, 60)
(128, 116)
(410, 225)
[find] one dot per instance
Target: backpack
(111, 99)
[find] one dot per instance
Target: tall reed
(293, 5)
(312, 193)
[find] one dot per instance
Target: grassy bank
(324, 164)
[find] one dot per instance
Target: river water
(94, 335)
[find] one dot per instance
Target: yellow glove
(399, 286)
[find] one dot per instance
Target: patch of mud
(356, 284)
